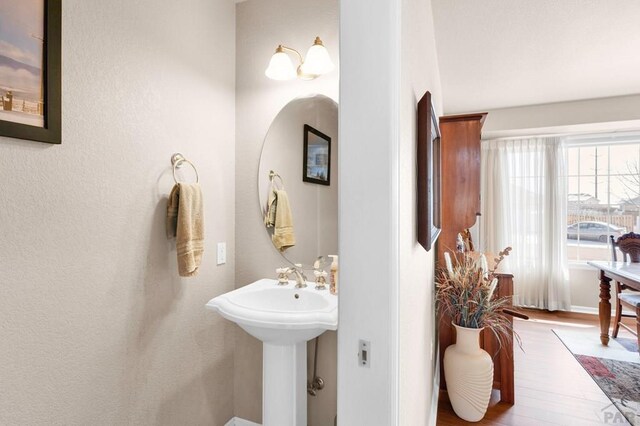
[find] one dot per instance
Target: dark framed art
(428, 173)
(30, 70)
(316, 166)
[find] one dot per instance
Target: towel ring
(273, 175)
(177, 159)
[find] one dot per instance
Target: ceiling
(504, 53)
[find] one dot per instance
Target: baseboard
(237, 421)
(435, 391)
(590, 310)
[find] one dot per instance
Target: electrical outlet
(222, 253)
(364, 353)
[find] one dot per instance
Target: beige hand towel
(185, 221)
(283, 235)
(270, 214)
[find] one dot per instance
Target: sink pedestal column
(284, 384)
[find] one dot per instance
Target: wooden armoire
(460, 179)
(460, 204)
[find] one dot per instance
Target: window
(603, 187)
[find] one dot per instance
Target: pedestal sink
(284, 318)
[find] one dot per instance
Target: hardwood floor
(551, 387)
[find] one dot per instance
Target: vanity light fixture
(316, 63)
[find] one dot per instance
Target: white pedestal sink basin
(284, 318)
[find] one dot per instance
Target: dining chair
(629, 246)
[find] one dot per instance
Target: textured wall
(96, 327)
(261, 26)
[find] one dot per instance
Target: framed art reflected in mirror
(317, 157)
(428, 173)
(30, 70)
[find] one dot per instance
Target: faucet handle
(321, 280)
(283, 278)
(319, 263)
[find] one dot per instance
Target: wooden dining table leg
(638, 324)
(604, 311)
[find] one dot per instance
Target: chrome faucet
(301, 279)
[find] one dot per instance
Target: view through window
(603, 195)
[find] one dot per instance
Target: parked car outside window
(596, 231)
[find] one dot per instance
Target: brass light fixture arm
(299, 71)
(282, 48)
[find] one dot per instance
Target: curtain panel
(524, 205)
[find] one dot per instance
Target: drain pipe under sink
(317, 383)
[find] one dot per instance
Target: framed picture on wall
(317, 157)
(428, 173)
(30, 70)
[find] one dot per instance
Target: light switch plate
(222, 253)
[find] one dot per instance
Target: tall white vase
(468, 370)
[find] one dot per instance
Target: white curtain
(524, 205)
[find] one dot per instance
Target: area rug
(614, 368)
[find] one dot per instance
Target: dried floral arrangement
(465, 293)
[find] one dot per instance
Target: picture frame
(316, 167)
(428, 173)
(40, 119)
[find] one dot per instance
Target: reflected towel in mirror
(270, 213)
(279, 217)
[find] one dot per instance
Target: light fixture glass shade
(317, 61)
(280, 67)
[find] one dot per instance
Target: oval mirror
(299, 167)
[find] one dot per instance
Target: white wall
(368, 221)
(261, 26)
(96, 327)
(387, 280)
(592, 115)
(418, 398)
